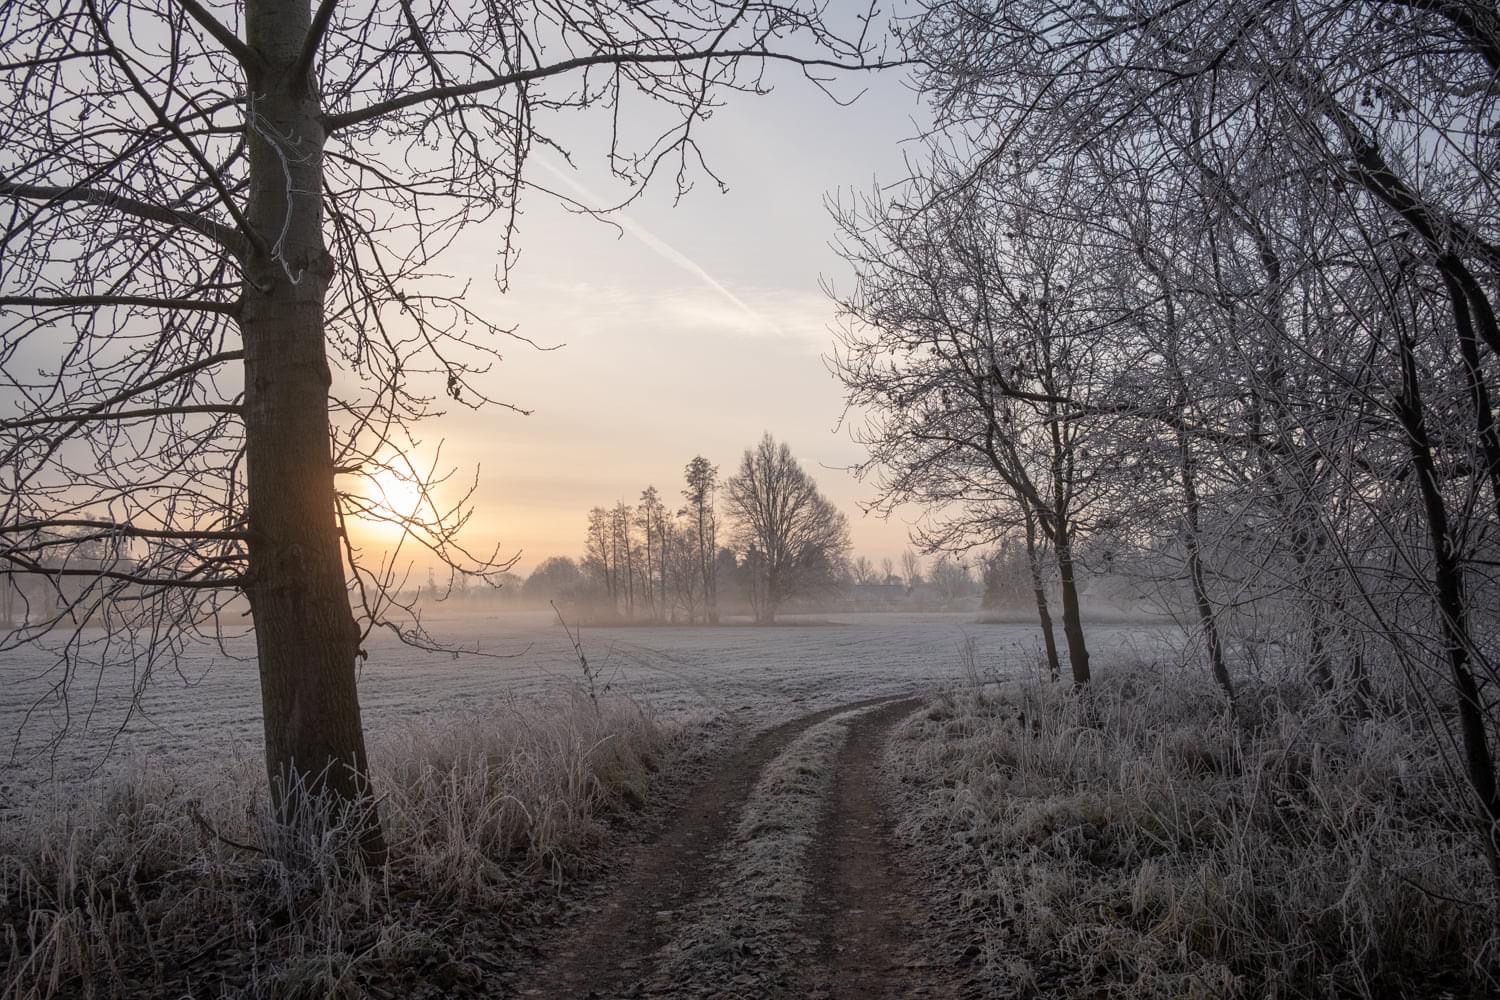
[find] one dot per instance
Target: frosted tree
(1327, 367)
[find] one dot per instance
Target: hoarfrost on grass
(208, 710)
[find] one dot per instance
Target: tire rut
(863, 903)
(613, 949)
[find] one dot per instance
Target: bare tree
(216, 270)
(863, 571)
(911, 569)
(599, 553)
(624, 555)
(701, 492)
(950, 578)
(652, 517)
(794, 539)
(970, 339)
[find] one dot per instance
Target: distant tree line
(749, 544)
(752, 541)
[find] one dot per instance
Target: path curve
(611, 951)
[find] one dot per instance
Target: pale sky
(693, 332)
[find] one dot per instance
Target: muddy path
(849, 932)
(863, 901)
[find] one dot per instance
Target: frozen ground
(209, 710)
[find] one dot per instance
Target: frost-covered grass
(212, 709)
(1140, 841)
(172, 884)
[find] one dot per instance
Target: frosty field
(207, 710)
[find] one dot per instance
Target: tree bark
(1062, 541)
(305, 633)
(1078, 653)
(1479, 396)
(1043, 613)
(1196, 576)
(1448, 579)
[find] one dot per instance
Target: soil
(864, 920)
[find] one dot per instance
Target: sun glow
(395, 501)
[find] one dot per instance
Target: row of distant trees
(1002, 578)
(765, 534)
(749, 543)
(649, 561)
(669, 587)
(949, 584)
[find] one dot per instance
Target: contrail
(663, 248)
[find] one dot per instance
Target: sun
(396, 500)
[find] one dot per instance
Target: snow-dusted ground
(209, 710)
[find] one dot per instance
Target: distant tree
(862, 570)
(733, 587)
(625, 553)
(1005, 576)
(651, 518)
(701, 494)
(911, 567)
(599, 552)
(887, 571)
(794, 538)
(507, 587)
(684, 595)
(554, 579)
(950, 578)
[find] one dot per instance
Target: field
(878, 805)
(207, 708)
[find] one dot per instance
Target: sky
(692, 330)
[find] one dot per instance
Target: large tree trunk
(305, 633)
(770, 598)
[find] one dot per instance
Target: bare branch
(229, 239)
(118, 415)
(244, 54)
(334, 123)
(112, 529)
(315, 33)
(88, 301)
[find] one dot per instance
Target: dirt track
(854, 933)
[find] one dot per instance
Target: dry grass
(1142, 842)
(180, 885)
